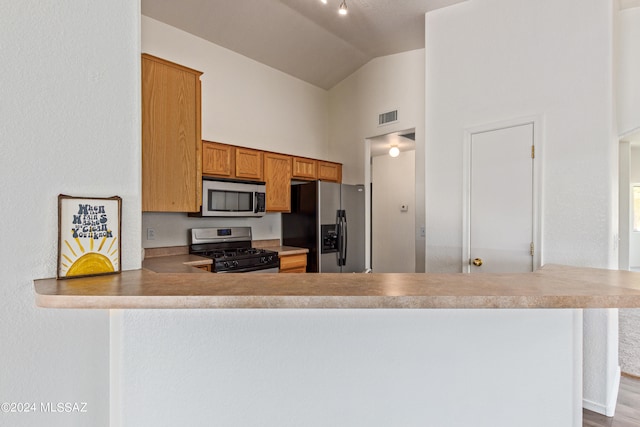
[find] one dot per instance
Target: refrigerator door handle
(344, 238)
(339, 238)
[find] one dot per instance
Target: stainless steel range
(231, 251)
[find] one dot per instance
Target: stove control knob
(263, 260)
(226, 264)
(270, 258)
(235, 263)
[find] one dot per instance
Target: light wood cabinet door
(293, 263)
(248, 164)
(277, 176)
(328, 171)
(171, 142)
(217, 159)
(305, 168)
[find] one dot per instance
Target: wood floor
(627, 409)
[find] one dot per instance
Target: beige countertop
(552, 286)
(287, 250)
(176, 264)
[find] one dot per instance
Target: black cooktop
(231, 251)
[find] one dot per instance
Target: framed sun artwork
(88, 236)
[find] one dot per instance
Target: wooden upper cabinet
(248, 163)
(328, 171)
(227, 161)
(171, 141)
(277, 176)
(304, 168)
(217, 159)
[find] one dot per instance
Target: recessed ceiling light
(343, 8)
(324, 1)
(394, 151)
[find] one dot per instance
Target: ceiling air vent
(388, 117)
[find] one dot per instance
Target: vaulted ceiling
(304, 38)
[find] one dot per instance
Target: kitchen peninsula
(440, 349)
(550, 287)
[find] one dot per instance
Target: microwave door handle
(259, 202)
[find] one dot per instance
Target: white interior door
(501, 232)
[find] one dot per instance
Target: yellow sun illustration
(83, 262)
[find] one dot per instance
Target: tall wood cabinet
(171, 140)
(277, 176)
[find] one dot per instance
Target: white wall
(392, 230)
(384, 84)
(244, 103)
(525, 58)
(172, 229)
(628, 100)
(512, 77)
(344, 368)
(70, 108)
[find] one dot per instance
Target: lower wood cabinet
(293, 263)
(203, 267)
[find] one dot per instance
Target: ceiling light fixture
(394, 151)
(324, 1)
(343, 8)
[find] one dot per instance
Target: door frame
(625, 198)
(368, 204)
(537, 122)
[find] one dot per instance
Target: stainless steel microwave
(233, 198)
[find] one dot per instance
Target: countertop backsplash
(172, 229)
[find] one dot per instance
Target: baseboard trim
(628, 375)
(610, 408)
(594, 407)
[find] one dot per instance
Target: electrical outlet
(151, 234)
(422, 232)
(404, 207)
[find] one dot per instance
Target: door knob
(477, 262)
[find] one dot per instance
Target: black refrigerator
(328, 219)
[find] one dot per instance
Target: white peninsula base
(346, 367)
